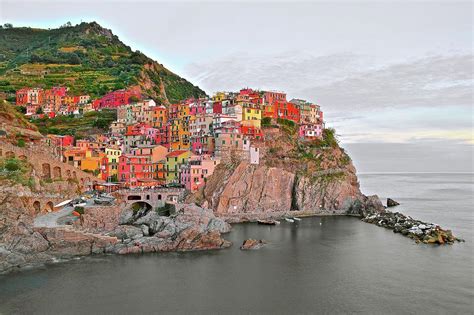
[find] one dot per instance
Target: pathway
(51, 219)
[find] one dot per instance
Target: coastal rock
(419, 231)
(127, 232)
(252, 244)
(392, 203)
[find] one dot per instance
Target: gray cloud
(342, 80)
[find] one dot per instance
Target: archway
(49, 206)
(140, 208)
(10, 155)
(37, 206)
(46, 171)
(74, 175)
(68, 174)
(57, 172)
(22, 157)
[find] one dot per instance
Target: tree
(39, 111)
(133, 99)
(21, 109)
(8, 25)
(21, 143)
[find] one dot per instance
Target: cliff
(293, 175)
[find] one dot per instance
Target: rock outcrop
(291, 176)
(252, 244)
(191, 228)
(392, 203)
(99, 231)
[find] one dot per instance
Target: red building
(251, 131)
(116, 98)
(286, 110)
(22, 96)
(137, 170)
(217, 108)
(271, 97)
(61, 141)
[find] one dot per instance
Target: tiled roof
(176, 153)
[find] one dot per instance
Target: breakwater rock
(421, 232)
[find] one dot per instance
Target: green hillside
(88, 58)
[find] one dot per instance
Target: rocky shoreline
(421, 232)
(118, 230)
(191, 228)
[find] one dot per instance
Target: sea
(320, 265)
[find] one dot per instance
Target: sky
(386, 73)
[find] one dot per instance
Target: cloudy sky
(384, 72)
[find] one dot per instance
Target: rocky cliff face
(312, 177)
(102, 230)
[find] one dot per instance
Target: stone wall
(46, 166)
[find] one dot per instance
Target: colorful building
(174, 161)
(194, 173)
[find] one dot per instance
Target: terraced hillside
(88, 58)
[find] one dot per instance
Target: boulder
(252, 244)
(392, 203)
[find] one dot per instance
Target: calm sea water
(318, 265)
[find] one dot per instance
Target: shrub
(21, 143)
(166, 210)
(12, 165)
(288, 126)
(329, 137)
(266, 121)
(79, 210)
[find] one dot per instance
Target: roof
(176, 153)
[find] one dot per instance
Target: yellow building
(179, 133)
(219, 96)
(251, 116)
(113, 155)
(174, 160)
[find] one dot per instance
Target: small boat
(297, 219)
(289, 220)
(61, 204)
(268, 222)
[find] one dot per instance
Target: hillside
(95, 122)
(15, 124)
(88, 58)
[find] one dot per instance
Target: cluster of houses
(41, 103)
(181, 144)
(50, 102)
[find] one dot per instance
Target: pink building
(310, 131)
(198, 168)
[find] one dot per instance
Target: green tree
(21, 143)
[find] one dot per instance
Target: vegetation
(87, 58)
(10, 115)
(166, 210)
(21, 143)
(330, 138)
(16, 171)
(288, 126)
(79, 210)
(80, 127)
(266, 121)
